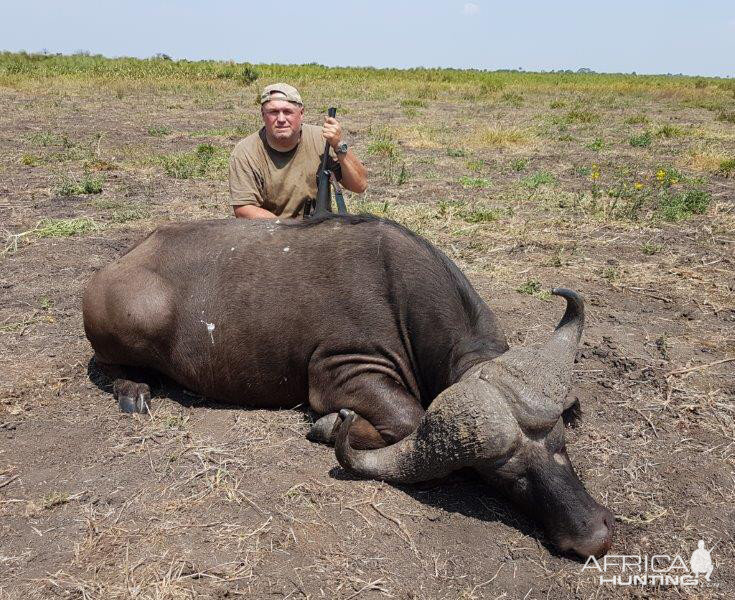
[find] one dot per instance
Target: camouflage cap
(289, 92)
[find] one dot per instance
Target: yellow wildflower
(661, 175)
(638, 185)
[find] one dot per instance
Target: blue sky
(646, 36)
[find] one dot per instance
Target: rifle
(325, 179)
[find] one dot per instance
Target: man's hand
(332, 132)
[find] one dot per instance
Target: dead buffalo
(359, 315)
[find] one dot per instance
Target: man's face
(282, 119)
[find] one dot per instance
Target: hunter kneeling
(273, 172)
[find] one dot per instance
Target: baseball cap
(290, 92)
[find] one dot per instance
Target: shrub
(597, 144)
(727, 117)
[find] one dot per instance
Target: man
(274, 171)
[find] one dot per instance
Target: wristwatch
(341, 148)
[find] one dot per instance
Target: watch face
(342, 148)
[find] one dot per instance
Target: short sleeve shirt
(279, 182)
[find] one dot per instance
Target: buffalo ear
(572, 415)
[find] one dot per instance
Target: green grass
(727, 167)
(581, 116)
(480, 215)
(456, 152)
(49, 138)
(158, 130)
(726, 117)
(383, 147)
(123, 77)
(88, 184)
(125, 215)
(474, 182)
(649, 248)
(205, 162)
(597, 144)
(669, 131)
(519, 164)
(636, 120)
(413, 103)
(642, 140)
(30, 160)
(538, 179)
(532, 287)
(475, 165)
(683, 205)
(64, 227)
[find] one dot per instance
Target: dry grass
(499, 136)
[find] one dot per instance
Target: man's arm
(354, 173)
(252, 212)
(245, 194)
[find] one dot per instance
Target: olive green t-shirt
(279, 182)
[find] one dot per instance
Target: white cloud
(470, 8)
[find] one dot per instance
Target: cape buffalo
(359, 315)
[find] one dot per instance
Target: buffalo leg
(362, 434)
(386, 411)
(133, 395)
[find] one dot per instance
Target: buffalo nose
(598, 542)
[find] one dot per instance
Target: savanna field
(621, 187)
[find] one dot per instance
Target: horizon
(653, 38)
(167, 57)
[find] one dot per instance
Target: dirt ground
(210, 501)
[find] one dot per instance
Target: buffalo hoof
(324, 431)
(132, 397)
